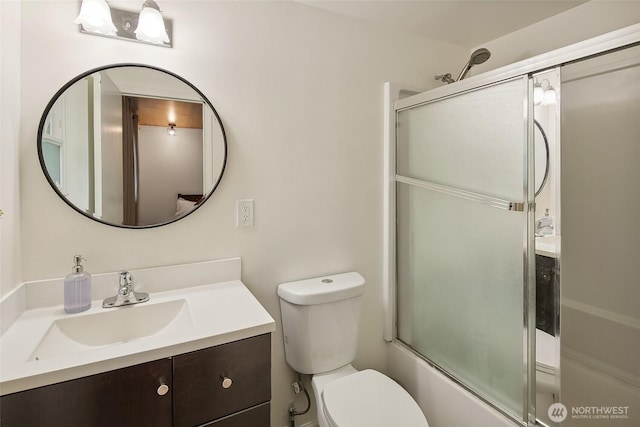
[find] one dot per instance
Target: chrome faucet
(543, 229)
(126, 293)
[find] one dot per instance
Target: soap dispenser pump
(77, 288)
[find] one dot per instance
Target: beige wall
(300, 95)
(9, 138)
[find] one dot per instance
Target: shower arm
(445, 78)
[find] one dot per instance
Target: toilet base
(318, 381)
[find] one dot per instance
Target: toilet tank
(320, 321)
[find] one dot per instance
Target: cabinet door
(125, 397)
(218, 381)
(257, 416)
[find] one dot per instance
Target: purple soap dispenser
(77, 288)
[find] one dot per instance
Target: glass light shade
(151, 25)
(549, 96)
(538, 94)
(95, 17)
(171, 130)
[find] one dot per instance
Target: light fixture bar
(126, 23)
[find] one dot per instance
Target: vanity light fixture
(171, 130)
(98, 18)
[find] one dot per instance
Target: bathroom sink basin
(70, 335)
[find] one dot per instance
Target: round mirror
(541, 157)
(132, 146)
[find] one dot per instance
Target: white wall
(110, 153)
(300, 94)
(167, 165)
(76, 144)
(580, 23)
(9, 147)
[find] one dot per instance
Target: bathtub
(443, 402)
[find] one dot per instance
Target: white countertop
(210, 314)
(548, 246)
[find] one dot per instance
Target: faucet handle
(125, 278)
(126, 294)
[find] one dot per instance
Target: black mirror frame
(55, 97)
(546, 167)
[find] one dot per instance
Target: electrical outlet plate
(244, 213)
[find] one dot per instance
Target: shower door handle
(465, 194)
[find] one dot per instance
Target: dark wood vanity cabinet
(125, 397)
(217, 381)
(546, 290)
(224, 386)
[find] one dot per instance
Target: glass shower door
(463, 264)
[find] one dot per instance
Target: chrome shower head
(478, 57)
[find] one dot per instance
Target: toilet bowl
(320, 326)
(365, 398)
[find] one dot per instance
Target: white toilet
(320, 323)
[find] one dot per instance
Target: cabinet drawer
(200, 391)
(125, 397)
(258, 416)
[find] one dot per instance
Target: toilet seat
(370, 399)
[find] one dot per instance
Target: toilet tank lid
(321, 290)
